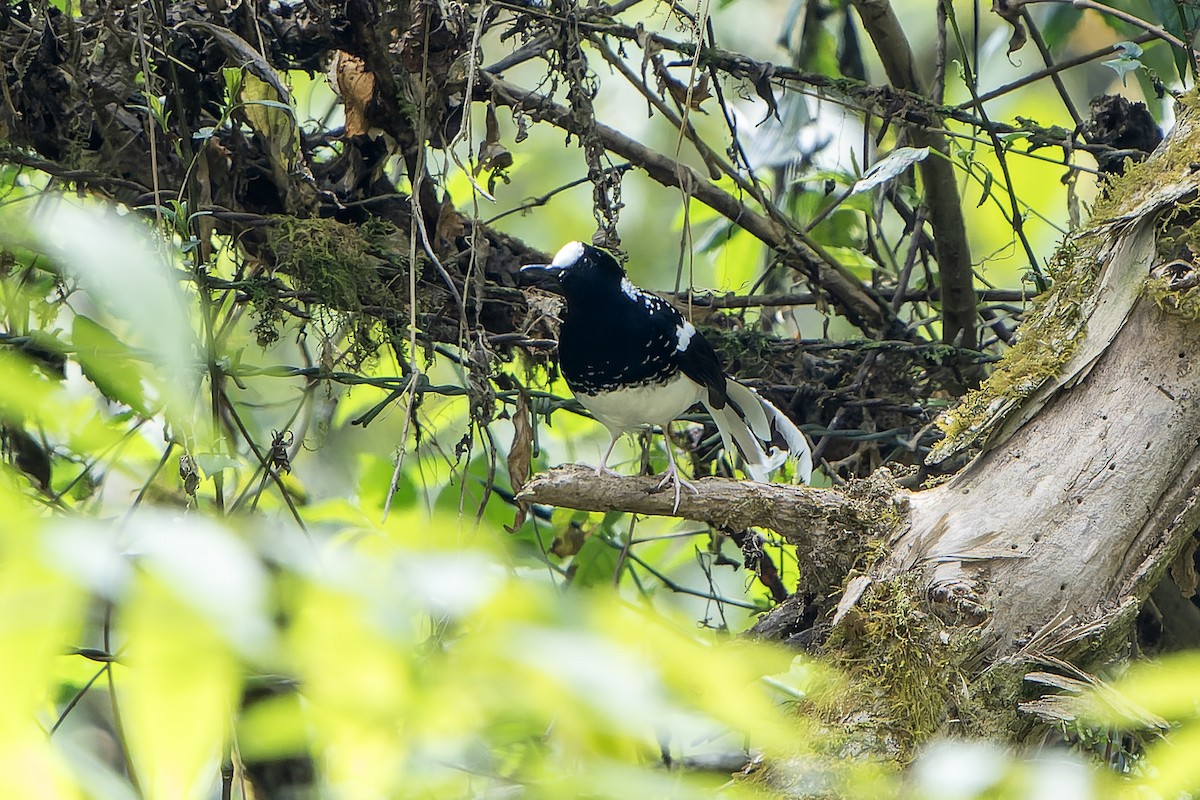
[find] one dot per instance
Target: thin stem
(1156, 31)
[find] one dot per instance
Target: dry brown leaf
(520, 455)
(356, 86)
(650, 47)
(700, 92)
(522, 123)
(493, 156)
(450, 227)
(1010, 11)
(570, 541)
(189, 473)
(762, 87)
(683, 95)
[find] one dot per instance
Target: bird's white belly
(650, 404)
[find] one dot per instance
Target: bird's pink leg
(672, 477)
(603, 468)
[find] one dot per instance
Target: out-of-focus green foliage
(421, 656)
(425, 666)
(149, 640)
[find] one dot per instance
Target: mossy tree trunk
(1084, 492)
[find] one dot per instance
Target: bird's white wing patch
(568, 254)
(683, 335)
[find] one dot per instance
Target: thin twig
(1136, 21)
(1050, 69)
(1016, 220)
(1035, 34)
(856, 301)
(543, 199)
(951, 245)
(809, 298)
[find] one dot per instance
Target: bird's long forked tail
(760, 433)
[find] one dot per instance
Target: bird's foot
(603, 470)
(673, 479)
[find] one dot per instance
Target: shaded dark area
(1125, 127)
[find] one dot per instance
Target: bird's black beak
(546, 275)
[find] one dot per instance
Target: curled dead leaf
(450, 227)
(570, 541)
(650, 47)
(520, 454)
(522, 123)
(189, 473)
(493, 157)
(685, 96)
(349, 77)
(1010, 12)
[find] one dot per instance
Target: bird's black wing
(691, 352)
(700, 363)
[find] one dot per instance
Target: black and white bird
(632, 360)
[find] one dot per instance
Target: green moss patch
(903, 664)
(1185, 304)
(1047, 339)
(346, 269)
(338, 263)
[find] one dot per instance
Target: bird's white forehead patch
(684, 334)
(568, 254)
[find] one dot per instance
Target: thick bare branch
(801, 514)
(829, 528)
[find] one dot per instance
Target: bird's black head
(578, 269)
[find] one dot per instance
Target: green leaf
(272, 119)
(212, 463)
(855, 260)
(1127, 62)
(1060, 22)
(233, 83)
(888, 168)
(375, 478)
(986, 191)
(123, 271)
(272, 104)
(108, 362)
(1180, 19)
